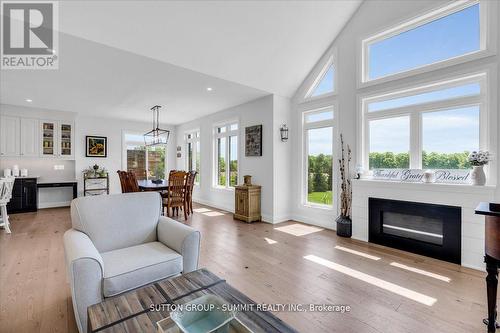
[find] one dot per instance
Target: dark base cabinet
(24, 196)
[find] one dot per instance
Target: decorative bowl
(205, 314)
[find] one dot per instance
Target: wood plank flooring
(388, 290)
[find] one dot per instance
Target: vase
(477, 175)
(344, 226)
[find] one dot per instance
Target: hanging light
(156, 136)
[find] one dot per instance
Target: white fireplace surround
(464, 196)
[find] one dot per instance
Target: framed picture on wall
(253, 140)
(96, 146)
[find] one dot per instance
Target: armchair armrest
(182, 239)
(85, 272)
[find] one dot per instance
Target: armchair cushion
(135, 266)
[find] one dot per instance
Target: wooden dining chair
(176, 197)
(123, 180)
(133, 185)
(189, 190)
(128, 181)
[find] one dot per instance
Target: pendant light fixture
(157, 136)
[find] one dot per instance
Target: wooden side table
(247, 203)
(492, 258)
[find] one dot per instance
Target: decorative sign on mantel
(452, 176)
(417, 175)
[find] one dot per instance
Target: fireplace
(427, 229)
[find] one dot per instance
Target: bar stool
(6, 185)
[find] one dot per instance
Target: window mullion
(228, 173)
(415, 140)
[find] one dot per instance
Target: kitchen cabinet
(48, 138)
(66, 138)
(57, 139)
(29, 137)
(10, 136)
(24, 196)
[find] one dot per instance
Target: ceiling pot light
(209, 89)
(157, 136)
(29, 100)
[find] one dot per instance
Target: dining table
(149, 185)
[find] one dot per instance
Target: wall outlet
(59, 167)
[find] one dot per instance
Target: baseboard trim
(54, 204)
(213, 204)
(308, 220)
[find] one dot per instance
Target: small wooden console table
(492, 258)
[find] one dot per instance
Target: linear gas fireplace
(427, 229)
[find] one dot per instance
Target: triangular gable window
(324, 85)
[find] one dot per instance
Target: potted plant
(478, 159)
(344, 221)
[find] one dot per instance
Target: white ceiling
(117, 58)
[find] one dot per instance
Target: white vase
(477, 175)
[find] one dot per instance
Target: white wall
(282, 166)
(113, 130)
(256, 112)
(346, 51)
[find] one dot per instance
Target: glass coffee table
(146, 309)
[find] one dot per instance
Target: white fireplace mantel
(465, 196)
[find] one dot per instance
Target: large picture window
(193, 153)
(430, 127)
(318, 140)
(447, 33)
(145, 162)
(226, 155)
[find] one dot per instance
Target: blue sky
(450, 36)
(326, 84)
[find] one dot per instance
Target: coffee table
(130, 312)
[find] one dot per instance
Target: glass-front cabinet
(49, 136)
(56, 139)
(66, 135)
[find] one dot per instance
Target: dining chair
(123, 180)
(176, 197)
(6, 185)
(189, 190)
(128, 181)
(133, 185)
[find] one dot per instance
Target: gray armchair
(120, 242)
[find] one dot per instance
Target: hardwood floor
(388, 290)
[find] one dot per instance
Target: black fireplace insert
(428, 229)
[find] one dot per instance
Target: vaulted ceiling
(119, 57)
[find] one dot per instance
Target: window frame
(305, 154)
(139, 143)
(487, 45)
(416, 111)
(195, 141)
(226, 134)
(319, 77)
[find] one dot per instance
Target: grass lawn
(324, 198)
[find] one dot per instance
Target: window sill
(317, 206)
(223, 189)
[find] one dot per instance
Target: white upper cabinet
(29, 137)
(48, 138)
(66, 138)
(10, 136)
(57, 138)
